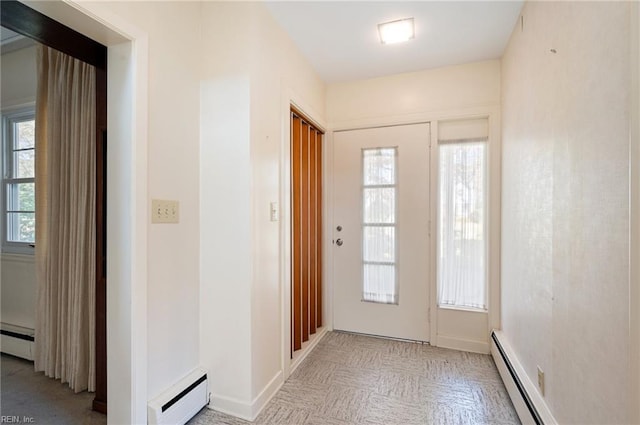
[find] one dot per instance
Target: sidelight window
(462, 224)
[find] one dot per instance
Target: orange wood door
(306, 231)
(296, 236)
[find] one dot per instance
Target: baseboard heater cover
(518, 383)
(528, 403)
(17, 341)
(22, 336)
(181, 402)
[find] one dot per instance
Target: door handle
(339, 242)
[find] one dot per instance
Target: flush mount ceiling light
(396, 31)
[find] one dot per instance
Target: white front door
(381, 233)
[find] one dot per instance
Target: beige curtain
(65, 219)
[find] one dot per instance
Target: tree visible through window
(462, 225)
(19, 179)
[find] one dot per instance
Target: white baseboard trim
(529, 404)
(244, 410)
(307, 347)
(231, 406)
(250, 411)
(461, 344)
(18, 258)
(266, 394)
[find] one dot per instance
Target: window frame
(394, 225)
(9, 118)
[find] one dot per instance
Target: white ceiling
(11, 41)
(6, 35)
(340, 38)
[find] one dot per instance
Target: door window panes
(379, 204)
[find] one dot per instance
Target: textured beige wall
(565, 262)
(635, 210)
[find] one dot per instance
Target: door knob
(339, 228)
(339, 242)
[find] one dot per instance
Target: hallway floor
(355, 379)
(41, 400)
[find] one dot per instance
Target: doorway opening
(32, 24)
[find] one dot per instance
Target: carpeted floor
(36, 399)
(354, 379)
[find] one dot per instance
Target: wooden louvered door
(306, 232)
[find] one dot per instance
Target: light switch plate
(541, 381)
(163, 211)
(274, 212)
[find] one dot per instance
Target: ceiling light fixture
(396, 31)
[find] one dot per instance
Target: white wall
(244, 85)
(18, 290)
(173, 262)
(142, 72)
(18, 275)
(18, 77)
(435, 93)
(565, 264)
(278, 68)
(197, 103)
(173, 139)
(225, 201)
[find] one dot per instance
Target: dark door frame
(30, 23)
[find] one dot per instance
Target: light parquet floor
(361, 380)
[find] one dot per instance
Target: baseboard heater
(528, 403)
(181, 402)
(16, 341)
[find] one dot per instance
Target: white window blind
(379, 203)
(462, 225)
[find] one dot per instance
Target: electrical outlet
(165, 211)
(541, 381)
